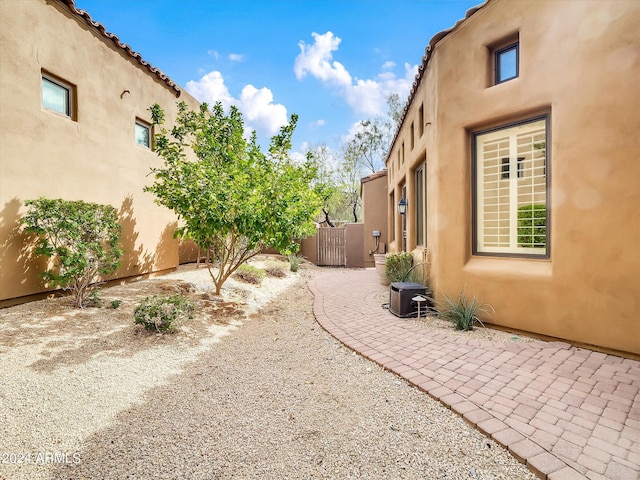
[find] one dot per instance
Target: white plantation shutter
(511, 190)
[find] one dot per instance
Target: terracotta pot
(380, 260)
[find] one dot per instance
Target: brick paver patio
(568, 413)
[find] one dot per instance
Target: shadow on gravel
(66, 336)
(283, 399)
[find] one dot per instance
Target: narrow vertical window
(421, 121)
(57, 95)
(413, 135)
(143, 134)
(420, 206)
(511, 211)
(392, 210)
(507, 63)
(404, 221)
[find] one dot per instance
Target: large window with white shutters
(510, 187)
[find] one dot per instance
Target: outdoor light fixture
(402, 206)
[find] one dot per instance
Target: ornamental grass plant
(462, 312)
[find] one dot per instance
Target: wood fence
(332, 247)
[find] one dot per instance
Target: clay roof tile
(82, 14)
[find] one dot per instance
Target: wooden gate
(332, 247)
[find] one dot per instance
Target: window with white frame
(511, 209)
(57, 95)
(143, 133)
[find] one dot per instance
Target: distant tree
(326, 184)
(395, 110)
(365, 153)
(232, 199)
(81, 239)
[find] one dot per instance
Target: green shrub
(115, 303)
(532, 226)
(250, 274)
(276, 268)
(294, 262)
(82, 239)
(95, 299)
(462, 312)
(397, 266)
(160, 313)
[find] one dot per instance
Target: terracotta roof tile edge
(423, 66)
(373, 176)
(84, 15)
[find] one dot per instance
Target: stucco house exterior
(75, 124)
(517, 157)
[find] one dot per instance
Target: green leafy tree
(326, 184)
(232, 199)
(362, 154)
(82, 241)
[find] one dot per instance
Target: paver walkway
(568, 413)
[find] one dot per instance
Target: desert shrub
(294, 262)
(397, 266)
(81, 239)
(116, 303)
(463, 313)
(276, 268)
(160, 313)
(95, 299)
(250, 274)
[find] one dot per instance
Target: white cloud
(236, 57)
(214, 54)
(317, 59)
(260, 112)
(211, 89)
(257, 107)
(318, 123)
(364, 96)
(369, 97)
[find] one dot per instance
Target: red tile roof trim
(110, 36)
(423, 66)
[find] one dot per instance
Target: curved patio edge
(567, 413)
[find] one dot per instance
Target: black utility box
(400, 298)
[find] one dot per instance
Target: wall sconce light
(402, 206)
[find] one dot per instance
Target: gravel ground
(272, 397)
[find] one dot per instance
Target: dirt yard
(88, 394)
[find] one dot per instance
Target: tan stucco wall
(374, 211)
(354, 239)
(309, 249)
(579, 63)
(94, 158)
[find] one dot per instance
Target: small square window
(57, 96)
(507, 63)
(143, 134)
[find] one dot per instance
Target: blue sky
(333, 62)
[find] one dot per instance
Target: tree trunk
(326, 218)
